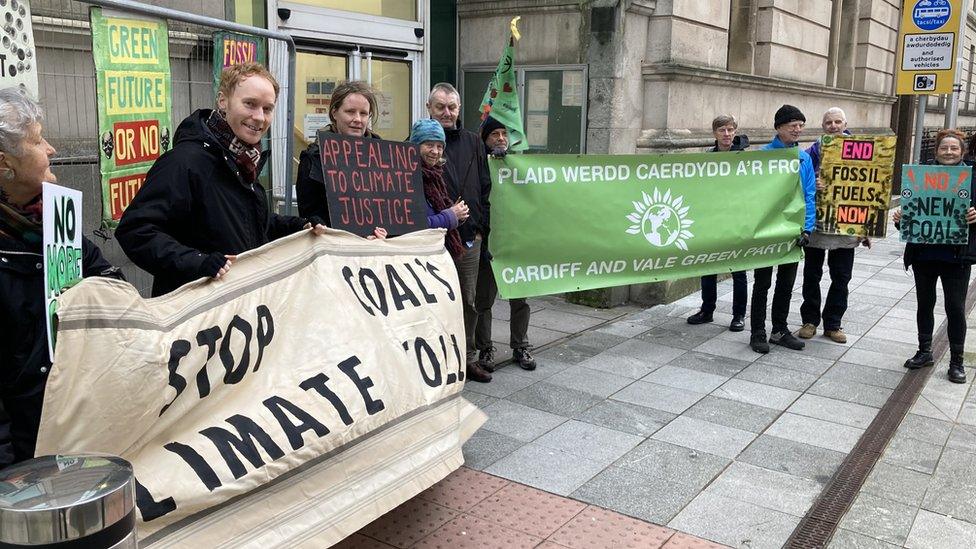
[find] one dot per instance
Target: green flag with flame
(501, 100)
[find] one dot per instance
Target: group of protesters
(929, 262)
(202, 204)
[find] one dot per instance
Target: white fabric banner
(309, 391)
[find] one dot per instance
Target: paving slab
(935, 531)
(897, 483)
(732, 413)
(833, 410)
(734, 523)
(953, 486)
(880, 377)
(777, 376)
(486, 447)
(816, 432)
(707, 437)
(851, 391)
(654, 353)
(637, 494)
(589, 441)
(626, 417)
(794, 458)
(912, 454)
(795, 361)
(931, 430)
(728, 349)
(766, 488)
(757, 394)
(519, 422)
(546, 468)
(505, 382)
(709, 364)
(618, 364)
(879, 518)
(846, 539)
(672, 462)
(555, 399)
(659, 397)
(684, 378)
(594, 382)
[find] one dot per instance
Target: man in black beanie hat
(495, 136)
(789, 123)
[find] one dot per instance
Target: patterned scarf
(436, 193)
(247, 157)
(22, 223)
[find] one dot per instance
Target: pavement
(638, 424)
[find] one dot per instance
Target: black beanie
(787, 114)
(489, 126)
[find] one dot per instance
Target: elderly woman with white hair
(24, 362)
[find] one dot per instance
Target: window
(394, 9)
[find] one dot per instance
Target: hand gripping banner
(309, 391)
(562, 223)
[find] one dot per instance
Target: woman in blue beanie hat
(442, 212)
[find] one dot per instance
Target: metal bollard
(68, 502)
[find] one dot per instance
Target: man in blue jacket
(789, 123)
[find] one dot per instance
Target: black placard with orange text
(372, 183)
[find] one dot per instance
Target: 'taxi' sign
(928, 42)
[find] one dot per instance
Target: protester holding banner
(838, 249)
(442, 213)
(352, 110)
(24, 166)
(467, 179)
(495, 136)
(951, 264)
(202, 203)
(724, 129)
(789, 123)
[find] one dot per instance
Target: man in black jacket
(202, 203)
(467, 178)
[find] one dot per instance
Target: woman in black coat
(951, 264)
(24, 361)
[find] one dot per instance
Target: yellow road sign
(928, 41)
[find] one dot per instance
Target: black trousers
(955, 283)
(467, 267)
(840, 264)
(740, 293)
(486, 293)
(785, 277)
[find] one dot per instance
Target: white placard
(313, 123)
(62, 248)
(928, 52)
(384, 103)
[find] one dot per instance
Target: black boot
(758, 343)
(922, 359)
(957, 373)
(701, 317)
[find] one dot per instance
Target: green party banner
(231, 48)
(856, 172)
(562, 223)
(934, 200)
(134, 103)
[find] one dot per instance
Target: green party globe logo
(661, 219)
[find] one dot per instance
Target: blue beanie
(427, 129)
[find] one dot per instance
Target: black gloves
(499, 152)
(804, 239)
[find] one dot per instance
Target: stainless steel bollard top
(68, 501)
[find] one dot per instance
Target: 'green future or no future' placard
(934, 200)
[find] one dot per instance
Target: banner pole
(923, 101)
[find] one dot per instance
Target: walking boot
(758, 342)
(486, 359)
(738, 324)
(701, 317)
(788, 340)
(957, 373)
(523, 358)
(475, 372)
(922, 359)
(807, 331)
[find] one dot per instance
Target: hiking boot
(475, 372)
(737, 325)
(788, 340)
(837, 336)
(523, 359)
(807, 331)
(701, 317)
(922, 359)
(758, 342)
(957, 373)
(486, 359)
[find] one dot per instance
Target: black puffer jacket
(24, 361)
(194, 208)
(466, 174)
(310, 187)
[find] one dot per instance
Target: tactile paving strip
(684, 541)
(818, 526)
(408, 523)
(463, 489)
(468, 532)
(595, 527)
(527, 510)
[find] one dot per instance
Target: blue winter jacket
(445, 219)
(808, 180)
